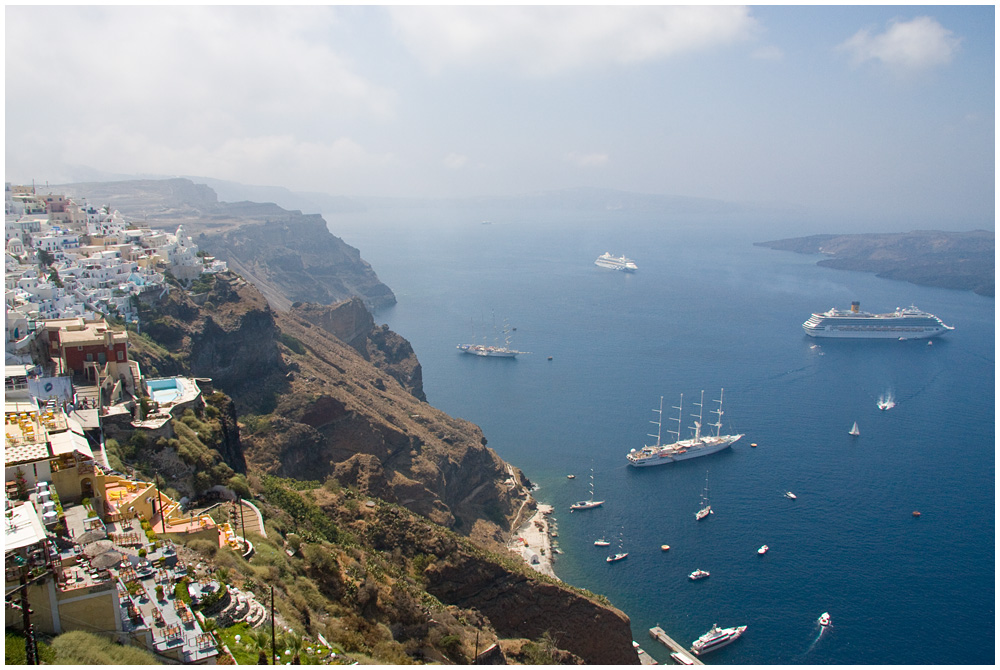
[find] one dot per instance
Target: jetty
(678, 652)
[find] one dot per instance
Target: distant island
(956, 260)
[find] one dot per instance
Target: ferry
(902, 324)
(715, 638)
(681, 450)
(606, 260)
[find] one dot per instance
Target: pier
(681, 655)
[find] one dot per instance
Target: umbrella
(92, 536)
(98, 547)
(108, 559)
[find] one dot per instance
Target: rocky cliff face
(517, 602)
(350, 322)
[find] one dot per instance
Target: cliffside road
(531, 542)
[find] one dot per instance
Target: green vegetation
(14, 653)
(292, 343)
(311, 521)
(80, 648)
(203, 284)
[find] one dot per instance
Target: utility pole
(273, 645)
(30, 644)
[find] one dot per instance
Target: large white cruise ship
(681, 450)
(904, 323)
(606, 260)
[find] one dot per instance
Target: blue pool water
(707, 310)
(164, 390)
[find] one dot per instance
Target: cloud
(543, 41)
(906, 45)
(587, 160)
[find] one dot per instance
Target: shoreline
(532, 541)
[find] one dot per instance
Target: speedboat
(698, 574)
(570, 476)
(763, 550)
(664, 547)
(824, 619)
(617, 557)
(789, 494)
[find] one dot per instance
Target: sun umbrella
(97, 548)
(92, 536)
(108, 559)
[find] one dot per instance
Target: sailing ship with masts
(680, 450)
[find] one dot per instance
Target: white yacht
(699, 574)
(763, 549)
(680, 450)
(824, 619)
(715, 638)
(590, 503)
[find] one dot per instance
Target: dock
(681, 655)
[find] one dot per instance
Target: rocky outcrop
(352, 323)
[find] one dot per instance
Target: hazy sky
(870, 111)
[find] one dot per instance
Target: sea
(706, 311)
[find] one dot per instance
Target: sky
(864, 111)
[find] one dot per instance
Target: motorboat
(824, 619)
(763, 549)
(699, 574)
(789, 494)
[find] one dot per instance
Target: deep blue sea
(708, 310)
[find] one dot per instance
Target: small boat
(699, 574)
(617, 557)
(664, 547)
(854, 430)
(915, 513)
(753, 444)
(885, 401)
(602, 543)
(789, 494)
(824, 619)
(590, 503)
(570, 476)
(763, 549)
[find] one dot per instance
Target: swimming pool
(164, 390)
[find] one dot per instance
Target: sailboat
(706, 508)
(494, 350)
(854, 430)
(590, 502)
(620, 555)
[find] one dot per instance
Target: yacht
(854, 430)
(706, 509)
(606, 260)
(590, 503)
(715, 638)
(495, 350)
(602, 543)
(789, 494)
(903, 324)
(617, 557)
(680, 450)
(763, 549)
(699, 574)
(824, 619)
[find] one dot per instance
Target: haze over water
(708, 310)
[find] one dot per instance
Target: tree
(45, 258)
(54, 278)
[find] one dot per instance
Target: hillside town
(88, 547)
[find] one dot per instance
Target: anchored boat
(680, 450)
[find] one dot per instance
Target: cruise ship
(715, 638)
(903, 324)
(606, 260)
(681, 450)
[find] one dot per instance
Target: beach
(533, 543)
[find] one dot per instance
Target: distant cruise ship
(908, 323)
(616, 263)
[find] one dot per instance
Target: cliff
(288, 255)
(956, 260)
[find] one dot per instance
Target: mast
(679, 409)
(658, 422)
(718, 423)
(697, 424)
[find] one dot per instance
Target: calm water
(708, 310)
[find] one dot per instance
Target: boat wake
(822, 629)
(886, 401)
